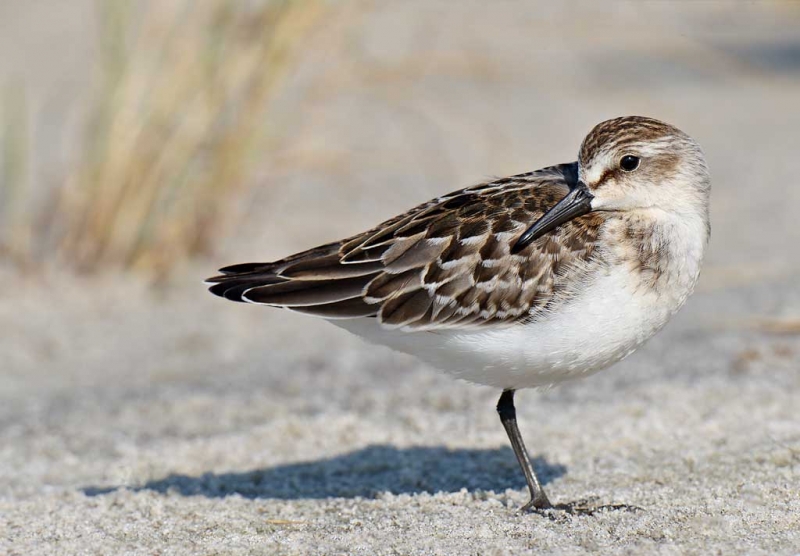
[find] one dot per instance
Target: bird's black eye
(629, 163)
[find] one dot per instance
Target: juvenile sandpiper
(519, 282)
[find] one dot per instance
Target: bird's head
(632, 164)
(635, 163)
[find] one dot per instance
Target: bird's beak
(577, 203)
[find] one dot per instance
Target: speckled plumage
(519, 282)
(443, 264)
(443, 281)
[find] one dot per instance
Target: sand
(140, 419)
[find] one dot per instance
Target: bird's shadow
(364, 473)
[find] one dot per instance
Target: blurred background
(145, 144)
(142, 135)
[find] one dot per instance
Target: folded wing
(445, 263)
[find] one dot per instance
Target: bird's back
(444, 264)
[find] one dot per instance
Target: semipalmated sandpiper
(518, 282)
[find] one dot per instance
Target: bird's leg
(539, 500)
(508, 416)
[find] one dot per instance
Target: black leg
(539, 500)
(508, 416)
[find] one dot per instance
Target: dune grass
(15, 226)
(177, 121)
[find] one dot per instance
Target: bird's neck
(663, 249)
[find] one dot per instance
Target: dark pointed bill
(577, 203)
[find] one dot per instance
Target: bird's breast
(602, 323)
(634, 285)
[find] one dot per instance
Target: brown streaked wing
(444, 264)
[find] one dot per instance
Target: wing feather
(446, 263)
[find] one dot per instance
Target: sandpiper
(518, 282)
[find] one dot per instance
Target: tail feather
(233, 287)
(245, 268)
(347, 309)
(317, 286)
(302, 293)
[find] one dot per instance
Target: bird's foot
(583, 507)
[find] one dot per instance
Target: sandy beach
(156, 419)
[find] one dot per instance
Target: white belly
(598, 327)
(607, 318)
